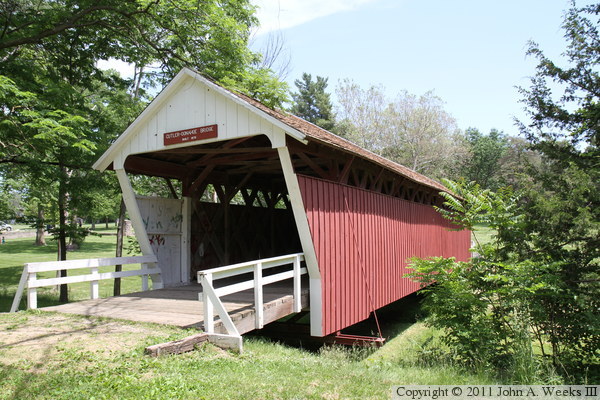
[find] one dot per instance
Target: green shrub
(508, 309)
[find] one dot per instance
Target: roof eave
(109, 156)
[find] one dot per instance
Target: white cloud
(126, 70)
(283, 14)
(273, 15)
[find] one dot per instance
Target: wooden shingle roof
(320, 135)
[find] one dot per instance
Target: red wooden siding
(363, 240)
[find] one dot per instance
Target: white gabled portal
(192, 101)
(151, 145)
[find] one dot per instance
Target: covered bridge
(258, 183)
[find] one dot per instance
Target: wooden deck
(179, 306)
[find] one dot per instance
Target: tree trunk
(119, 252)
(73, 238)
(106, 222)
(138, 81)
(93, 227)
(40, 240)
(62, 229)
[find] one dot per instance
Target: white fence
(211, 296)
(30, 281)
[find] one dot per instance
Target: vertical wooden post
(297, 285)
(226, 217)
(63, 198)
(273, 201)
(310, 256)
(119, 251)
(31, 291)
(94, 289)
(209, 315)
(186, 239)
(258, 296)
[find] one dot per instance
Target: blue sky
(471, 53)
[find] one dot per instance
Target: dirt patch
(31, 339)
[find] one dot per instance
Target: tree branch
(73, 23)
(16, 161)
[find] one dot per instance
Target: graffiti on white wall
(161, 215)
(157, 241)
(163, 223)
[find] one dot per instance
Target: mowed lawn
(14, 253)
(54, 356)
(483, 234)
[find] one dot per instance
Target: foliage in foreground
(504, 310)
(540, 279)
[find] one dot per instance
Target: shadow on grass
(393, 319)
(17, 252)
(96, 247)
(10, 277)
(31, 383)
(26, 246)
(9, 282)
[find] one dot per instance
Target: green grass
(483, 233)
(97, 358)
(266, 369)
(16, 252)
(100, 227)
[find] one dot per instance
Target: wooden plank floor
(180, 306)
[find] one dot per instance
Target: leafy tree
(159, 36)
(59, 111)
(421, 135)
(494, 307)
(98, 197)
(479, 305)
(360, 114)
(543, 267)
(312, 102)
(562, 205)
(486, 152)
(11, 199)
(566, 127)
(516, 161)
(37, 194)
(412, 130)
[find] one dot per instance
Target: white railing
(29, 278)
(210, 295)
